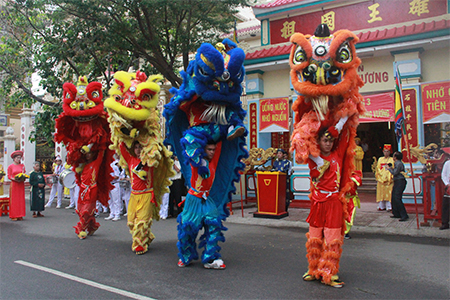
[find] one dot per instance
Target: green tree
(64, 39)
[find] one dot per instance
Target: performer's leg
(140, 222)
(329, 262)
(87, 223)
(187, 248)
(210, 239)
(314, 245)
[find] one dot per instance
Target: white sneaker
(69, 207)
(126, 214)
(109, 218)
(116, 219)
(48, 205)
(216, 265)
(58, 206)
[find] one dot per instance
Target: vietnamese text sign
(274, 111)
(379, 108)
(435, 99)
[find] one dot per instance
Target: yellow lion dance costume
(136, 138)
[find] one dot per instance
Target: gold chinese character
(408, 127)
(329, 20)
(409, 136)
(288, 29)
(407, 97)
(418, 7)
(408, 108)
(408, 116)
(374, 14)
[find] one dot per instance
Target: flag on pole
(399, 119)
(235, 35)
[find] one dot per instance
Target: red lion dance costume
(83, 128)
(324, 73)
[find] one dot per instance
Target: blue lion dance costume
(207, 108)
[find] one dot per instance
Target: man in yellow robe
(359, 155)
(384, 179)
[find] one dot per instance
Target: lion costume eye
(117, 98)
(95, 94)
(344, 54)
(299, 56)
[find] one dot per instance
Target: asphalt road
(43, 259)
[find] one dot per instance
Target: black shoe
(403, 220)
(394, 217)
(444, 227)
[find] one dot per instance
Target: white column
(10, 147)
(28, 148)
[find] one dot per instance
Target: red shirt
(200, 185)
(137, 184)
(330, 181)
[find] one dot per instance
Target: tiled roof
(276, 3)
(364, 36)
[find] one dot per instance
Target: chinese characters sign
(274, 113)
(411, 123)
(253, 126)
(280, 140)
(436, 101)
(365, 15)
(379, 108)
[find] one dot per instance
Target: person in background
(57, 187)
(397, 170)
(2, 179)
(282, 164)
(37, 197)
(73, 193)
(115, 202)
(125, 189)
(177, 190)
(353, 202)
(384, 180)
(16, 173)
(445, 175)
(359, 156)
(164, 211)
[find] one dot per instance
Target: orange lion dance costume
(83, 128)
(324, 74)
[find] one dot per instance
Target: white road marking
(84, 281)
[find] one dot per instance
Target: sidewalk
(367, 220)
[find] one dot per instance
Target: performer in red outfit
(326, 218)
(82, 127)
(142, 206)
(88, 195)
(17, 188)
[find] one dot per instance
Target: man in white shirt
(115, 201)
(445, 175)
(57, 187)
